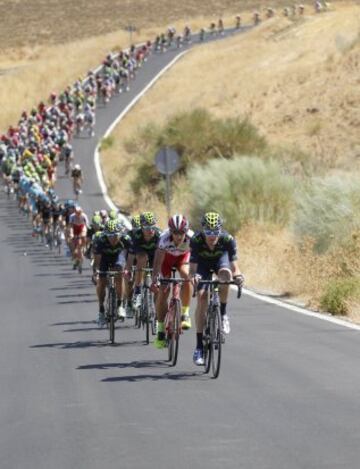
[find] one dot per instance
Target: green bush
(107, 142)
(338, 293)
(197, 137)
(243, 189)
(327, 210)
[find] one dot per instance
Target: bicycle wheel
(145, 316)
(207, 347)
(216, 339)
(152, 316)
(112, 314)
(176, 331)
(169, 321)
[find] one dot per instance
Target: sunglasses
(177, 232)
(148, 228)
(212, 232)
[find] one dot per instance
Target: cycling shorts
(109, 262)
(171, 261)
(205, 267)
(79, 230)
(150, 256)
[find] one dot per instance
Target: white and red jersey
(166, 243)
(78, 223)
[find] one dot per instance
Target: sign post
(167, 161)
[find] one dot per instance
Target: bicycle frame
(173, 316)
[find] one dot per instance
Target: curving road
(287, 397)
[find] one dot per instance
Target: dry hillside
(298, 81)
(29, 22)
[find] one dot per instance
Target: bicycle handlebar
(173, 280)
(109, 273)
(218, 282)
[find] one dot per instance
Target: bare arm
(158, 260)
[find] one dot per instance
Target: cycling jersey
(103, 247)
(140, 245)
(79, 223)
(111, 256)
(200, 251)
(76, 173)
(167, 244)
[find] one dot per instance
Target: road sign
(167, 161)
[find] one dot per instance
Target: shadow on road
(176, 376)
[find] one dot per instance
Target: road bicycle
(111, 301)
(173, 328)
(145, 316)
(59, 237)
(213, 335)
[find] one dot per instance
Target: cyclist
(77, 178)
(67, 154)
(173, 251)
(212, 249)
(78, 223)
(144, 243)
(135, 224)
(109, 250)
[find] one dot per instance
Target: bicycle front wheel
(215, 340)
(112, 314)
(145, 316)
(207, 346)
(176, 331)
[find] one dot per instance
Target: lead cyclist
(212, 250)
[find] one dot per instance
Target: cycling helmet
(70, 203)
(113, 214)
(211, 221)
(147, 219)
(77, 166)
(96, 220)
(178, 223)
(135, 221)
(78, 209)
(112, 227)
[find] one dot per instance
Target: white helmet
(77, 166)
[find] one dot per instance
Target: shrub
(327, 210)
(243, 189)
(197, 137)
(107, 142)
(338, 293)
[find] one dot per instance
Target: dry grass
(280, 78)
(272, 260)
(300, 87)
(29, 22)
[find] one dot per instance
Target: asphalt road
(287, 397)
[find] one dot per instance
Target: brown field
(31, 22)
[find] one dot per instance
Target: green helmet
(112, 227)
(96, 220)
(113, 214)
(211, 221)
(135, 221)
(147, 219)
